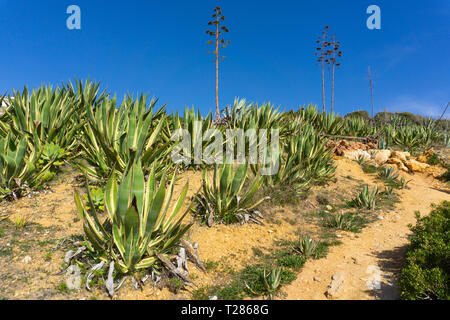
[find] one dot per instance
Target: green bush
(427, 271)
(358, 114)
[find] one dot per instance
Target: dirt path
(366, 266)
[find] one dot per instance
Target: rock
(355, 154)
(416, 166)
(374, 280)
(26, 260)
(425, 156)
(336, 286)
(73, 277)
(399, 163)
(317, 279)
(382, 156)
(402, 156)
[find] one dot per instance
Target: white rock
(73, 277)
(26, 260)
(374, 280)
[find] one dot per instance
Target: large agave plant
(138, 230)
(46, 115)
(114, 137)
(358, 127)
(18, 171)
(233, 115)
(329, 123)
(264, 117)
(224, 199)
(412, 137)
(304, 160)
(199, 130)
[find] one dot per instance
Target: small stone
(269, 231)
(73, 277)
(380, 217)
(317, 279)
(213, 298)
(26, 260)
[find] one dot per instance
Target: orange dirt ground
(31, 258)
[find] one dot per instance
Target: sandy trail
(370, 262)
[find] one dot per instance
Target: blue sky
(160, 47)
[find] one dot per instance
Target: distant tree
(335, 53)
(218, 18)
(322, 53)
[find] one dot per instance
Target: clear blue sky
(160, 47)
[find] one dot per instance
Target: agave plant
(306, 247)
(272, 281)
(234, 115)
(358, 127)
(138, 231)
(46, 115)
(224, 199)
(388, 174)
(263, 117)
(199, 133)
(366, 198)
(329, 123)
(114, 137)
(304, 160)
(17, 168)
(341, 221)
(412, 137)
(383, 144)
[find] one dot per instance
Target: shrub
(358, 114)
(427, 271)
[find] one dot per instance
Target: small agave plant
(306, 247)
(138, 232)
(272, 281)
(366, 198)
(225, 199)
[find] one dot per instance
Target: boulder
(403, 156)
(382, 156)
(399, 163)
(355, 154)
(416, 166)
(425, 156)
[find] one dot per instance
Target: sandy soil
(53, 225)
(377, 254)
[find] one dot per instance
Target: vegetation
(427, 272)
(124, 151)
(225, 199)
(366, 199)
(138, 228)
